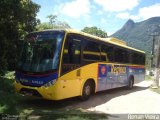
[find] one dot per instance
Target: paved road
(138, 100)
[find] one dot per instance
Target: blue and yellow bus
(59, 64)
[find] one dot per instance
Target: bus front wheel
(87, 90)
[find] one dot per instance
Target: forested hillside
(138, 34)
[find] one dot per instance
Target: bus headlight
(17, 81)
(50, 83)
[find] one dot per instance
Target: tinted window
(138, 58)
(118, 55)
(91, 50)
(71, 53)
(135, 58)
(143, 59)
(126, 56)
(107, 53)
(121, 55)
(72, 50)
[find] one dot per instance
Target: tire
(87, 90)
(130, 83)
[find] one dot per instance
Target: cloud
(123, 15)
(103, 21)
(126, 15)
(143, 13)
(134, 17)
(100, 12)
(117, 5)
(110, 33)
(151, 11)
(76, 8)
(89, 25)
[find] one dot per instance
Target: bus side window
(91, 51)
(104, 53)
(138, 58)
(143, 59)
(121, 55)
(109, 51)
(75, 51)
(126, 56)
(135, 58)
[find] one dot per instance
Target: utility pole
(152, 54)
(156, 59)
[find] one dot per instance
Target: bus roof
(110, 40)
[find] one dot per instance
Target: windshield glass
(41, 51)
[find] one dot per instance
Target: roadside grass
(68, 114)
(24, 107)
(148, 77)
(8, 97)
(157, 90)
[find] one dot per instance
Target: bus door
(71, 61)
(71, 54)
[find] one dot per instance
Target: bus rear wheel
(131, 82)
(87, 90)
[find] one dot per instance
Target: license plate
(28, 94)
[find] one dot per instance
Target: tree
(53, 24)
(62, 25)
(17, 17)
(44, 26)
(52, 19)
(95, 31)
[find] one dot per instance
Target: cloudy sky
(109, 15)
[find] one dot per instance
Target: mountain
(138, 35)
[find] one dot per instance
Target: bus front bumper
(46, 93)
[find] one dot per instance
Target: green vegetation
(53, 24)
(8, 97)
(138, 35)
(18, 17)
(78, 114)
(157, 90)
(95, 31)
(24, 107)
(148, 77)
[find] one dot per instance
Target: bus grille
(30, 92)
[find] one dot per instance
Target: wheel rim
(131, 83)
(88, 90)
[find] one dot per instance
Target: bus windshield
(40, 52)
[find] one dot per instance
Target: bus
(60, 64)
